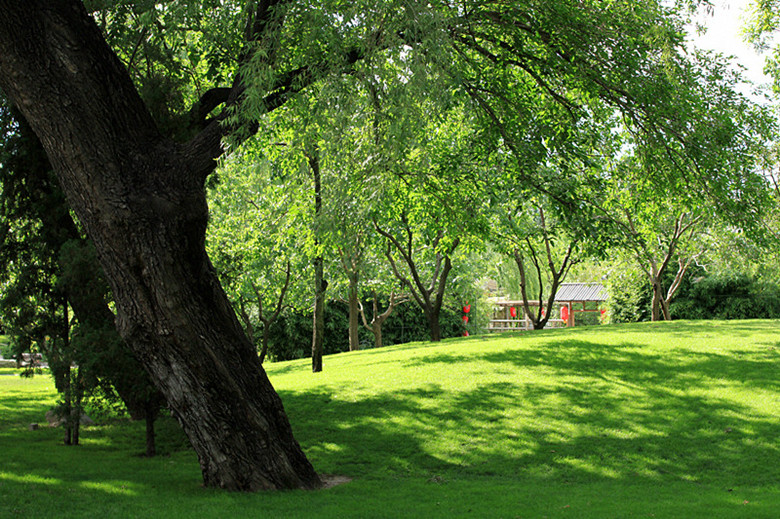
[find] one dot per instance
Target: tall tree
(544, 255)
(427, 293)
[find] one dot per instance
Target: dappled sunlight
(111, 487)
(590, 466)
(569, 412)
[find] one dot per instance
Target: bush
(6, 348)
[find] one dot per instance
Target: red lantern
(513, 311)
(465, 319)
(565, 313)
(467, 309)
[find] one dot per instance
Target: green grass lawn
(677, 420)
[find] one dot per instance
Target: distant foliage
(6, 348)
(728, 296)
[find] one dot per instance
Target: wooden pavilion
(573, 297)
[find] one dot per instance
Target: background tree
(46, 258)
(544, 252)
(256, 218)
(659, 230)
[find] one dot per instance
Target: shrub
(630, 296)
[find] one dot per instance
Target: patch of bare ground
(333, 480)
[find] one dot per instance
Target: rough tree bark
(142, 200)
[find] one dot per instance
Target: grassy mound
(652, 420)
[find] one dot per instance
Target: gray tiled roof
(581, 292)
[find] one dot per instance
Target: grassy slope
(654, 420)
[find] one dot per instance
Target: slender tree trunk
(378, 319)
(77, 410)
(376, 328)
(264, 345)
(657, 297)
(151, 442)
(269, 321)
(318, 334)
(354, 323)
(67, 408)
(665, 310)
(431, 297)
(70, 412)
(142, 200)
(320, 284)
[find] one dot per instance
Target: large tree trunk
(142, 201)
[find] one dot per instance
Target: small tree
(551, 252)
(378, 317)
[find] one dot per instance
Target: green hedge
(291, 334)
(734, 296)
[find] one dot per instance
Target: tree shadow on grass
(604, 413)
(702, 327)
(18, 409)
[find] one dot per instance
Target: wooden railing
(506, 325)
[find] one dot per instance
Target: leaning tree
(140, 194)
